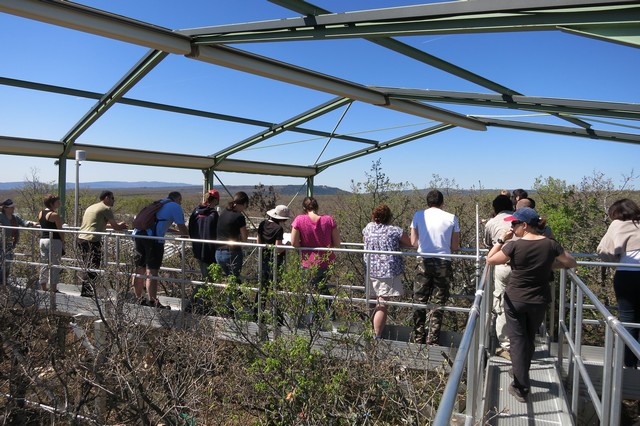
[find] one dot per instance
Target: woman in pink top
(312, 230)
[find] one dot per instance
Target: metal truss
(611, 20)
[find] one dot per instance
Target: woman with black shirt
(51, 243)
(528, 293)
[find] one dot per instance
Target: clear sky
(552, 64)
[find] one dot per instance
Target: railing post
(52, 292)
(183, 301)
(4, 257)
(472, 371)
(117, 252)
(562, 307)
(260, 283)
(101, 398)
(607, 371)
(577, 344)
(616, 385)
(571, 354)
(552, 312)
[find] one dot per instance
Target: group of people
(522, 248)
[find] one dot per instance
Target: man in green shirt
(96, 218)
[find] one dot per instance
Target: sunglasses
(516, 223)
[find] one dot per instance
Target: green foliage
(294, 380)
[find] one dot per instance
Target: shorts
(386, 287)
(148, 253)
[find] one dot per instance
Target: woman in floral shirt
(384, 270)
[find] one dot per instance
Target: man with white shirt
(493, 231)
(434, 231)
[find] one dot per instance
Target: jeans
(231, 263)
(625, 285)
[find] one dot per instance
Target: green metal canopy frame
(609, 20)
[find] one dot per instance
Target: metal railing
(115, 243)
(472, 354)
(607, 404)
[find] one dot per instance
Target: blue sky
(550, 64)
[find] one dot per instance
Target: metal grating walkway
(546, 404)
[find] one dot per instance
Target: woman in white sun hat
(271, 231)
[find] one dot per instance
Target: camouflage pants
(432, 282)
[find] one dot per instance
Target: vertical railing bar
(607, 371)
(4, 257)
(183, 276)
(572, 325)
(577, 344)
(562, 308)
(260, 284)
(616, 385)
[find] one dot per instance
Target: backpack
(202, 226)
(146, 219)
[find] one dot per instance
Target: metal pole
(80, 156)
(608, 368)
(4, 257)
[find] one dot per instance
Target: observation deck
(572, 383)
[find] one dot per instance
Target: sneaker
(142, 302)
(503, 353)
(517, 394)
(156, 304)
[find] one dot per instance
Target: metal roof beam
(385, 145)
(565, 131)
(622, 34)
(434, 18)
(93, 21)
(276, 70)
(135, 74)
(626, 111)
(282, 127)
(99, 22)
(301, 6)
(53, 149)
(491, 24)
(171, 108)
(306, 8)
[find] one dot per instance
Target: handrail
(182, 241)
(445, 410)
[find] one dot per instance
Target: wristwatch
(500, 241)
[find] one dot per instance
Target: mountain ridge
(157, 185)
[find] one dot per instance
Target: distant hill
(107, 184)
(280, 189)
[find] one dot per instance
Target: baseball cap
(213, 193)
(525, 214)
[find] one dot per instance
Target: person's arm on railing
(565, 260)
